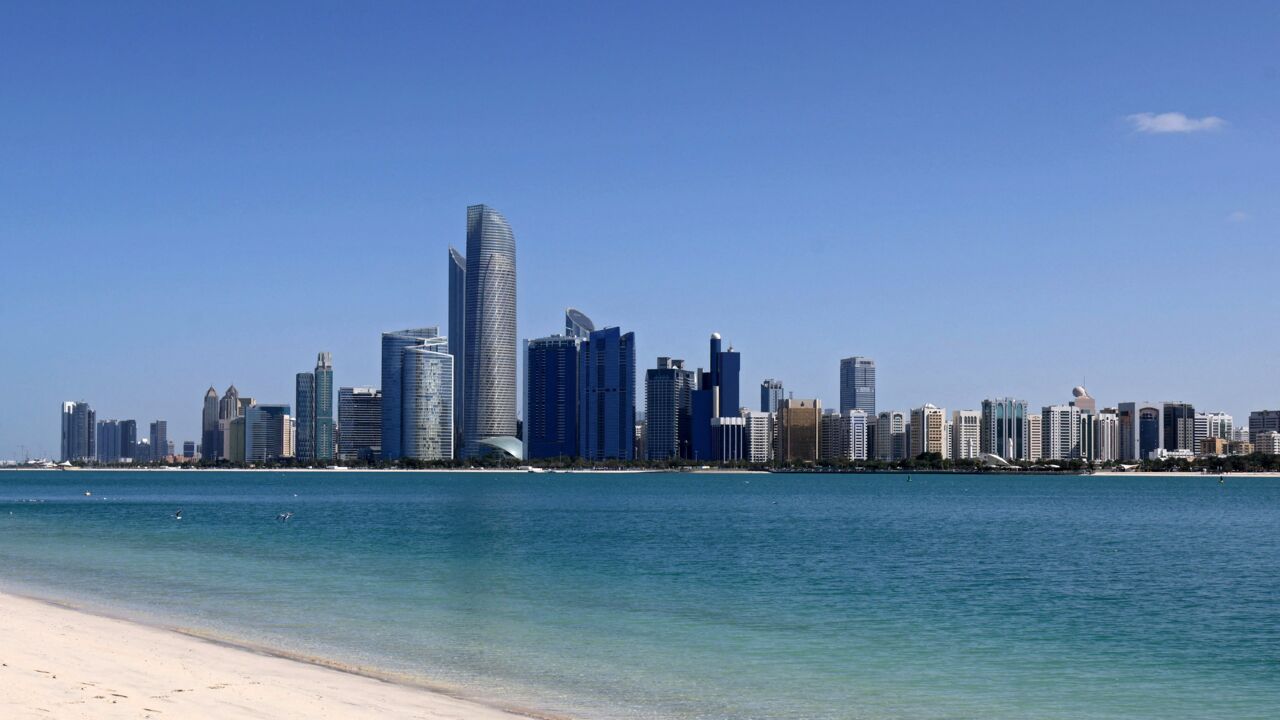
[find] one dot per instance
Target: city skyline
(936, 163)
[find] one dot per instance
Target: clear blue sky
(967, 192)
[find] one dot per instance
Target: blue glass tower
(305, 401)
(607, 377)
(718, 395)
(551, 397)
(393, 347)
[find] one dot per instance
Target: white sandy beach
(56, 662)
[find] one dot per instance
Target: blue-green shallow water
(678, 596)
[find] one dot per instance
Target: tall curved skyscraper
(489, 365)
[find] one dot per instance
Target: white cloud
(1174, 122)
(1239, 216)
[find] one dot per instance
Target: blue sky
(967, 192)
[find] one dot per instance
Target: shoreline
(62, 660)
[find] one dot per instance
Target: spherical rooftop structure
(1079, 391)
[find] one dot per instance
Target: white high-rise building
(759, 436)
(1106, 436)
(1034, 448)
(966, 434)
(928, 431)
(1060, 432)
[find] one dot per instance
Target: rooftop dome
(1080, 392)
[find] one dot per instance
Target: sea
(697, 595)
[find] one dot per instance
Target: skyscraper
(1179, 421)
(426, 401)
(360, 417)
(928, 431)
(322, 432)
(577, 324)
(858, 385)
(1060, 432)
(966, 434)
(551, 397)
(758, 434)
(159, 440)
(393, 347)
(1005, 432)
(799, 430)
(1261, 421)
(458, 335)
(79, 432)
(668, 410)
(489, 384)
(607, 396)
(229, 406)
(304, 399)
(129, 439)
(209, 441)
(770, 395)
(891, 435)
(1141, 429)
(266, 436)
(716, 396)
(108, 442)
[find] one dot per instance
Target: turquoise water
(678, 596)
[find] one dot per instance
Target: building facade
(79, 432)
(891, 436)
(858, 385)
(668, 410)
(360, 421)
(426, 401)
(1060, 432)
(489, 383)
(770, 395)
(1006, 429)
(799, 431)
(267, 433)
(758, 435)
(966, 434)
(394, 345)
(928, 431)
(1141, 429)
(551, 397)
(607, 392)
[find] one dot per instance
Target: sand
(58, 662)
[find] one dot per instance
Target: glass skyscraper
(393, 347)
(1005, 429)
(79, 432)
(305, 403)
(668, 398)
(577, 324)
(716, 396)
(858, 385)
(360, 418)
(770, 395)
(606, 425)
(457, 333)
(489, 370)
(322, 435)
(551, 397)
(426, 401)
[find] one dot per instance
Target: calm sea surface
(679, 596)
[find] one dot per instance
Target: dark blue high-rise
(607, 381)
(551, 397)
(717, 396)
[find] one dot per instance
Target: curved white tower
(489, 367)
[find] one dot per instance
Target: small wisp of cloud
(1174, 122)
(1239, 216)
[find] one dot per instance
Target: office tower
(360, 417)
(716, 396)
(758, 434)
(1005, 429)
(393, 346)
(159, 440)
(1267, 443)
(322, 434)
(426, 401)
(108, 441)
(551, 397)
(489, 384)
(799, 430)
(304, 398)
(235, 442)
(229, 405)
(607, 380)
(928, 431)
(1261, 421)
(1106, 436)
(457, 335)
(142, 454)
(208, 427)
(891, 435)
(577, 324)
(189, 449)
(966, 434)
(1219, 424)
(1060, 432)
(770, 395)
(844, 436)
(79, 437)
(728, 439)
(1141, 429)
(128, 439)
(858, 385)
(668, 410)
(265, 434)
(288, 430)
(1035, 437)
(1179, 420)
